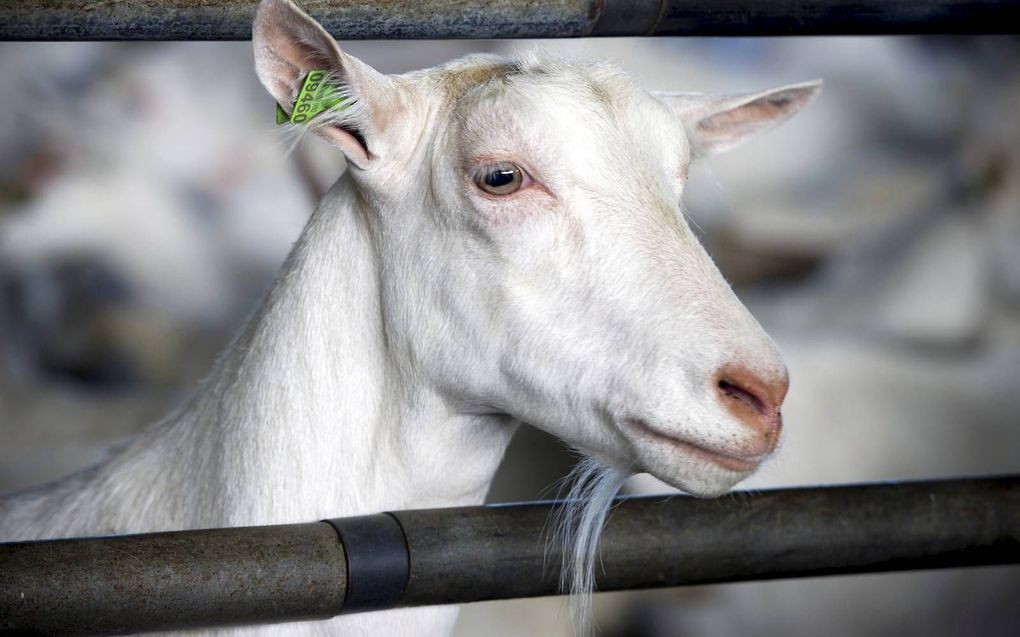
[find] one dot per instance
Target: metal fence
(216, 577)
(438, 19)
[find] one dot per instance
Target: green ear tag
(317, 95)
(281, 115)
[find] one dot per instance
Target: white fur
(579, 522)
(417, 321)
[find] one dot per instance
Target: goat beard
(577, 525)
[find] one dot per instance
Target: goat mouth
(731, 462)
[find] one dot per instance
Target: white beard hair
(576, 527)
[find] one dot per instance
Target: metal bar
(164, 581)
(468, 555)
(191, 579)
(439, 19)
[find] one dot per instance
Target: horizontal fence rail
(215, 577)
(438, 19)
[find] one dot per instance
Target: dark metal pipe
(163, 581)
(467, 555)
(439, 19)
(216, 577)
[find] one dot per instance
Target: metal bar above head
(216, 577)
(441, 19)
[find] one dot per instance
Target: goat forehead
(506, 113)
(591, 88)
(458, 77)
(594, 109)
(560, 87)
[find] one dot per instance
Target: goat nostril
(752, 400)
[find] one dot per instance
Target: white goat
(505, 247)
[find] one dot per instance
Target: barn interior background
(147, 200)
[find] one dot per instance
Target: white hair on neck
(578, 524)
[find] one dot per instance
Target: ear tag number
(317, 95)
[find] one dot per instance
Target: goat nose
(754, 400)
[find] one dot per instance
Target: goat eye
(500, 179)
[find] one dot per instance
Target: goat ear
(717, 123)
(288, 44)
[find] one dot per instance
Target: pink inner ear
(303, 55)
(294, 37)
(760, 112)
(355, 149)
